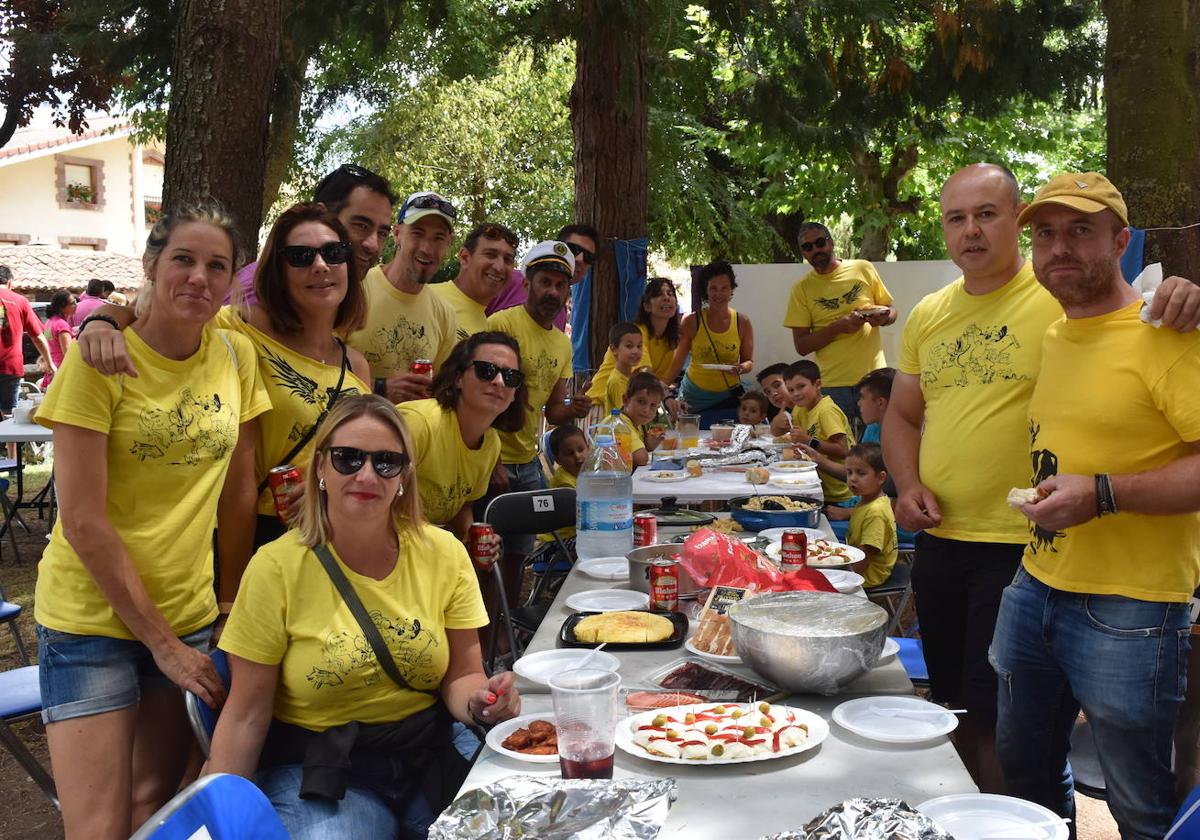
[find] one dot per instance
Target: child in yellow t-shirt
(643, 397)
(625, 341)
(872, 523)
(819, 423)
(569, 447)
(752, 408)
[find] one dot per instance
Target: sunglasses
(302, 256)
(498, 232)
(486, 372)
(581, 253)
(819, 242)
(348, 460)
(429, 202)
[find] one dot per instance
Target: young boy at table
(772, 380)
(752, 408)
(817, 422)
(643, 396)
(625, 341)
(874, 393)
(570, 448)
(872, 523)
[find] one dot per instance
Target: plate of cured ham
(721, 733)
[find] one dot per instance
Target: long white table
(719, 486)
(13, 432)
(746, 801)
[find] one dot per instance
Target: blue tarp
(1132, 261)
(631, 273)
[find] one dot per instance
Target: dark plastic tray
(566, 635)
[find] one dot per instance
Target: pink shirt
(514, 294)
(85, 307)
(56, 326)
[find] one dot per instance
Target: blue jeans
(1124, 662)
(360, 814)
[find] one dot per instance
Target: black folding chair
(896, 591)
(529, 512)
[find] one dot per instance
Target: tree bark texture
(286, 101)
(880, 188)
(1152, 91)
(222, 77)
(609, 120)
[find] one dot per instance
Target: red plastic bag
(714, 559)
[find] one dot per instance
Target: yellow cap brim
(1075, 202)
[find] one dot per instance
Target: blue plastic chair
(1187, 821)
(8, 615)
(20, 700)
(220, 806)
(912, 657)
(202, 716)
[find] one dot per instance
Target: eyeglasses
(486, 372)
(580, 252)
(302, 256)
(429, 201)
(819, 242)
(348, 460)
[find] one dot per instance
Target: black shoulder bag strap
(312, 430)
(382, 654)
(717, 353)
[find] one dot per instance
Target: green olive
(671, 733)
(718, 710)
(689, 718)
(765, 708)
(766, 721)
(711, 729)
(736, 713)
(659, 720)
(748, 732)
(718, 749)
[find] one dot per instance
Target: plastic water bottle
(604, 503)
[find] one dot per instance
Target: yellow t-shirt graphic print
(402, 328)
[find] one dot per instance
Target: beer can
(282, 480)
(645, 529)
(479, 537)
(793, 553)
(664, 585)
(422, 367)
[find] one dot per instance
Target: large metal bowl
(760, 520)
(809, 642)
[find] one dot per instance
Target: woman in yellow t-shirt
(124, 601)
(658, 319)
(478, 391)
(306, 683)
(715, 336)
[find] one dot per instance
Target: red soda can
(664, 585)
(282, 480)
(422, 367)
(793, 553)
(645, 529)
(479, 538)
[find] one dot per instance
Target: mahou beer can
(645, 530)
(479, 537)
(282, 480)
(793, 553)
(664, 585)
(422, 367)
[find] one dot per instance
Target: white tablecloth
(718, 486)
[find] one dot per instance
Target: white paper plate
(853, 556)
(725, 368)
(890, 648)
(969, 816)
(667, 476)
(540, 667)
(797, 486)
(604, 568)
(792, 467)
(775, 535)
(818, 731)
(845, 581)
(862, 718)
(497, 734)
(608, 600)
(703, 654)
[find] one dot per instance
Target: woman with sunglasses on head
(658, 320)
(478, 392)
(124, 602)
(308, 692)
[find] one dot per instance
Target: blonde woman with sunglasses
(307, 686)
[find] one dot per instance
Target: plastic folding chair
(8, 615)
(912, 657)
(896, 591)
(1187, 821)
(221, 807)
(529, 512)
(201, 716)
(21, 700)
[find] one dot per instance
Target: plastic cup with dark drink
(585, 711)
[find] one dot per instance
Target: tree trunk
(1152, 89)
(880, 189)
(217, 125)
(286, 99)
(609, 120)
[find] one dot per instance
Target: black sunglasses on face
(486, 372)
(302, 256)
(430, 202)
(819, 242)
(348, 460)
(581, 253)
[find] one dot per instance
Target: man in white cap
(404, 322)
(546, 362)
(1097, 616)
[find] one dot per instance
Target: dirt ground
(25, 813)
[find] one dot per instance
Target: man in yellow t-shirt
(403, 323)
(1098, 616)
(485, 263)
(835, 312)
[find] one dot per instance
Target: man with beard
(835, 312)
(485, 263)
(583, 241)
(546, 363)
(1097, 617)
(956, 440)
(404, 323)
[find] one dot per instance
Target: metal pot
(760, 520)
(674, 521)
(809, 642)
(640, 560)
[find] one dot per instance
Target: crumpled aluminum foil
(868, 819)
(551, 808)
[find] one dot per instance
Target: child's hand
(654, 438)
(837, 514)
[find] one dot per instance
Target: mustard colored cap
(1087, 192)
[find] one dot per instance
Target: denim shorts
(90, 675)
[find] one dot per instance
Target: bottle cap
(615, 412)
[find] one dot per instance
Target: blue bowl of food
(756, 513)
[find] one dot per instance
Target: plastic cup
(688, 427)
(670, 440)
(585, 711)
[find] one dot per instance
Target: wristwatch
(815, 443)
